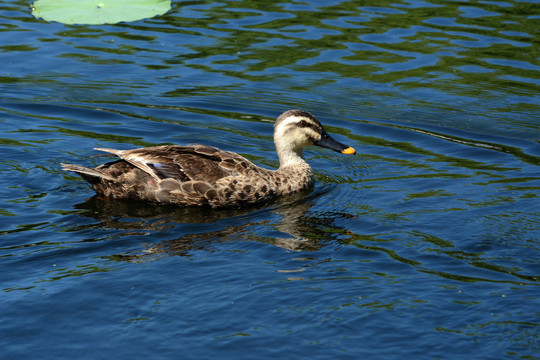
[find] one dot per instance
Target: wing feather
(184, 163)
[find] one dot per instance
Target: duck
(205, 176)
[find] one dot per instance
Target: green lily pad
(93, 12)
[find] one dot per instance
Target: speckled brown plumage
(200, 175)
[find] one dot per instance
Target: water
(424, 245)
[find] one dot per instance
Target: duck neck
(294, 173)
(291, 158)
(292, 162)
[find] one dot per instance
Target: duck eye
(302, 123)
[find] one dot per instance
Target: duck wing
(185, 163)
(196, 175)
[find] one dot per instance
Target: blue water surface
(424, 245)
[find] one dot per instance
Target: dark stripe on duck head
(296, 113)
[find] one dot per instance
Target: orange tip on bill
(349, 151)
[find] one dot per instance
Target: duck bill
(326, 141)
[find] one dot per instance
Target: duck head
(296, 129)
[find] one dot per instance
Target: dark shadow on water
(142, 215)
(287, 223)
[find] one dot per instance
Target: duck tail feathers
(82, 170)
(111, 151)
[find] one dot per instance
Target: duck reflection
(287, 223)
